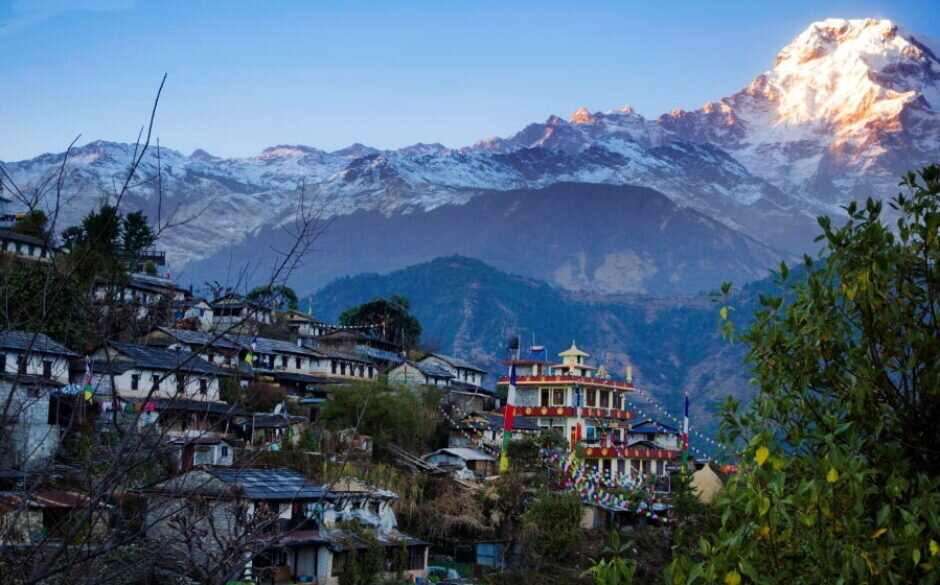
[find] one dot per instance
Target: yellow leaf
(832, 476)
(934, 548)
(732, 578)
(762, 454)
(723, 312)
(764, 532)
(878, 532)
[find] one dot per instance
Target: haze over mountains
(847, 107)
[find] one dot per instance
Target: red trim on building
(615, 453)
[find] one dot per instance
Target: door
(187, 461)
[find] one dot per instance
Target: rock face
(848, 106)
(577, 236)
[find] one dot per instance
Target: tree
(840, 452)
(281, 296)
(33, 224)
(390, 314)
(102, 229)
(72, 237)
(553, 525)
(136, 233)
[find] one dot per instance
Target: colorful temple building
(588, 406)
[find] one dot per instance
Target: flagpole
(507, 418)
(685, 437)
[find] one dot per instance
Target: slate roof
(651, 426)
(379, 354)
(303, 378)
(431, 370)
(464, 388)
(339, 355)
(30, 380)
(497, 421)
(273, 421)
(156, 358)
(270, 484)
(196, 338)
(266, 345)
(237, 301)
(15, 237)
(457, 362)
(199, 406)
(38, 343)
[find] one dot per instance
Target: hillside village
(234, 417)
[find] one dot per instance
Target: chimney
(630, 374)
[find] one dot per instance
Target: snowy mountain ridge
(848, 106)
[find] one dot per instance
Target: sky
(242, 76)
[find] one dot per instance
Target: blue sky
(327, 73)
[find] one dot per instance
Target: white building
(32, 368)
(144, 372)
(414, 374)
(463, 371)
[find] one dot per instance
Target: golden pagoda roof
(573, 351)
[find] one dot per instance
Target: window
(155, 382)
(558, 397)
(135, 381)
(21, 364)
(605, 399)
(370, 371)
(591, 399)
(224, 451)
(47, 368)
(297, 362)
(203, 386)
(3, 362)
(283, 361)
(333, 366)
(544, 399)
(180, 383)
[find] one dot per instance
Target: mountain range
(470, 309)
(847, 107)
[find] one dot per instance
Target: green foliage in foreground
(840, 479)
(405, 417)
(553, 525)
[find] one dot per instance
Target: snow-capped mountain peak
(847, 107)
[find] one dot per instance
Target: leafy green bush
(840, 452)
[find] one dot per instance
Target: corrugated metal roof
(464, 453)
